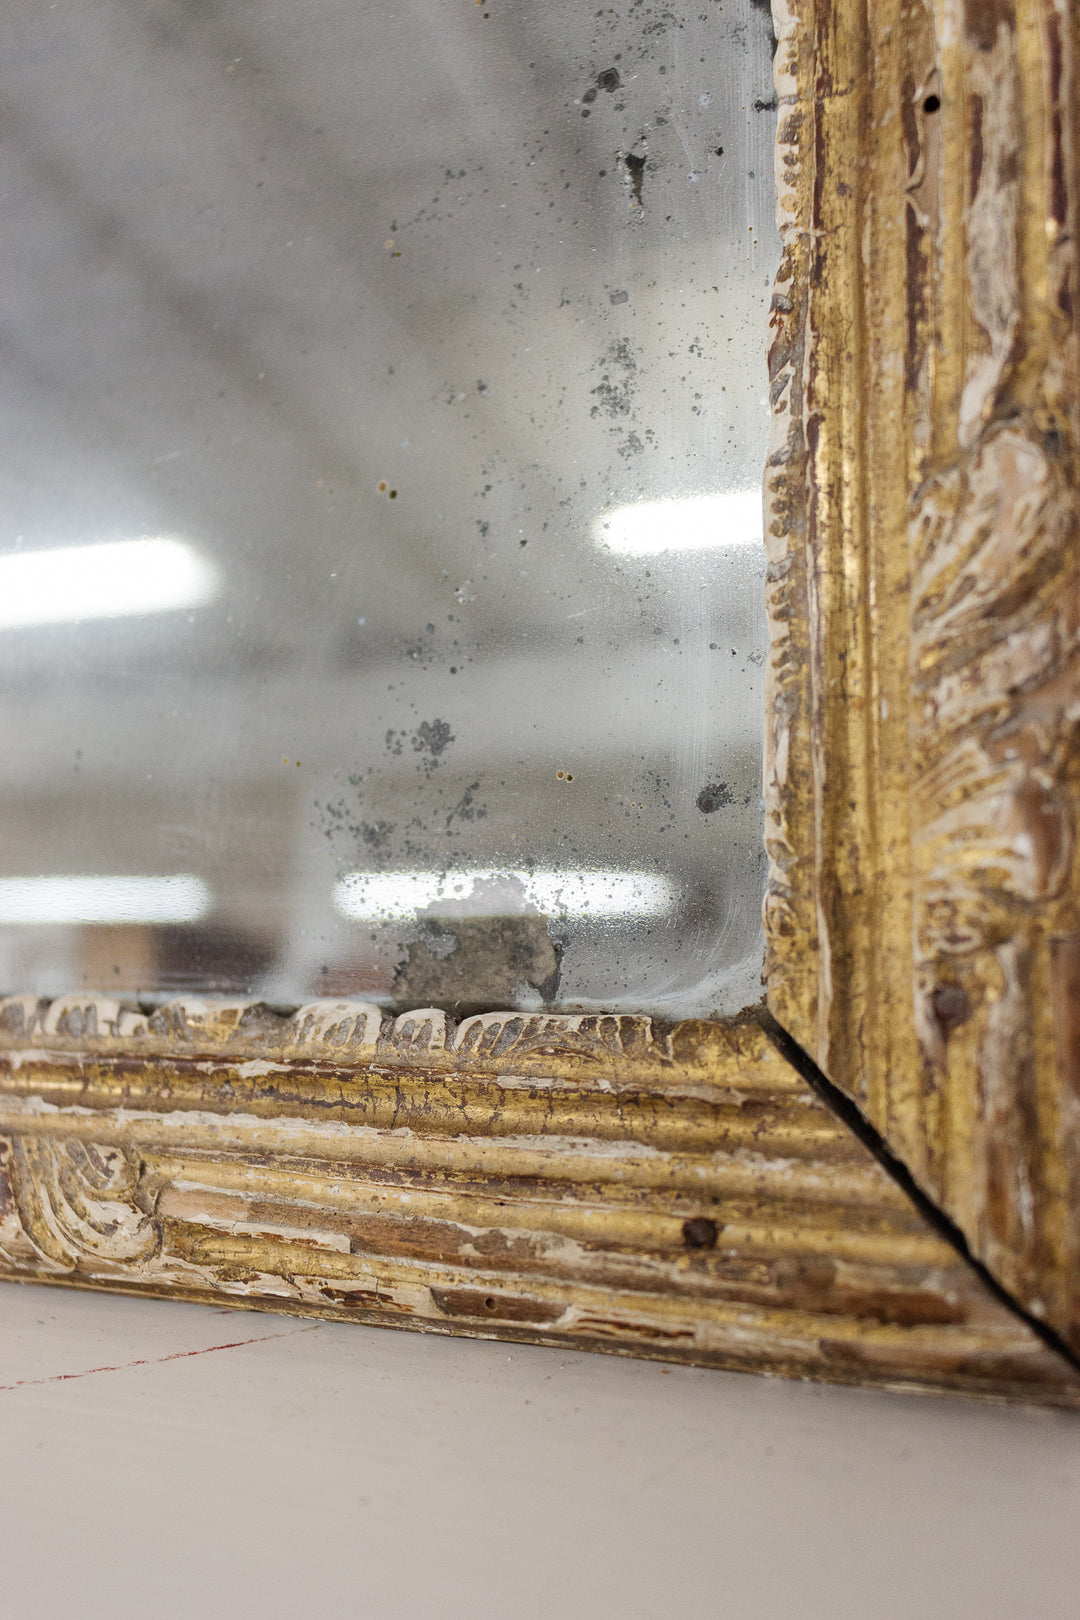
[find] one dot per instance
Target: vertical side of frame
(923, 767)
(837, 487)
(791, 970)
(995, 668)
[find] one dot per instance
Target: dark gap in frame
(849, 1113)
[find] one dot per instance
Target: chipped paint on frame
(584, 1181)
(923, 767)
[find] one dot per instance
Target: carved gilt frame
(877, 1179)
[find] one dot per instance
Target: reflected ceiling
(384, 410)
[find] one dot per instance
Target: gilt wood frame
(693, 1193)
(923, 770)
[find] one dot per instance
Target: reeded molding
(682, 1192)
(587, 1182)
(923, 763)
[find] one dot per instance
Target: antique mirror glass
(384, 412)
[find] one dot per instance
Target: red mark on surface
(152, 1361)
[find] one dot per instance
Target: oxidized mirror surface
(384, 410)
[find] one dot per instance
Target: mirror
(385, 407)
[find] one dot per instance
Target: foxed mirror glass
(384, 410)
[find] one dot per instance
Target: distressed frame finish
(688, 1193)
(923, 771)
(585, 1181)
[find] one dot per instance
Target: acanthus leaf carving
(73, 1203)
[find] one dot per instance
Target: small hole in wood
(932, 104)
(700, 1233)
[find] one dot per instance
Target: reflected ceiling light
(154, 575)
(495, 891)
(178, 899)
(645, 528)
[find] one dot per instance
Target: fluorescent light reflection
(178, 899)
(108, 581)
(647, 527)
(391, 896)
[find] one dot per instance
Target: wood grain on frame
(586, 1182)
(923, 764)
(682, 1193)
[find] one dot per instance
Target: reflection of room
(433, 422)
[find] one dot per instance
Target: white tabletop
(176, 1460)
